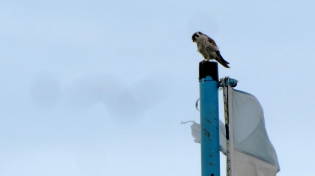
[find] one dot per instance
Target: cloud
(45, 90)
(51, 29)
(124, 102)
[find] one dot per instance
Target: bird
(208, 48)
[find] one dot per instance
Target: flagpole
(209, 118)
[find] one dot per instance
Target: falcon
(208, 48)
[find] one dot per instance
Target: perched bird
(208, 48)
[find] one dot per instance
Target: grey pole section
(209, 118)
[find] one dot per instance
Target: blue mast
(209, 118)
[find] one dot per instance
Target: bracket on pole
(228, 82)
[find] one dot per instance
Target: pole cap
(207, 68)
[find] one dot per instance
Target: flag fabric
(251, 152)
(195, 132)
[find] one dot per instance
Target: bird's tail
(221, 60)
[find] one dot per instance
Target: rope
(226, 117)
(197, 104)
(182, 122)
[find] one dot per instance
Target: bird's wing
(210, 49)
(210, 40)
(220, 59)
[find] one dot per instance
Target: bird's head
(195, 36)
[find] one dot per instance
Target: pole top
(207, 68)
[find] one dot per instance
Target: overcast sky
(94, 88)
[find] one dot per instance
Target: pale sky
(94, 88)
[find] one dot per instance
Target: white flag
(195, 132)
(252, 153)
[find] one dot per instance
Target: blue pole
(209, 119)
